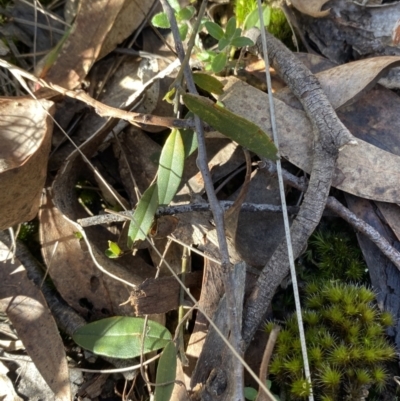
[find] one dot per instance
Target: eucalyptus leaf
(160, 20)
(166, 372)
(214, 30)
(208, 83)
(233, 126)
(121, 337)
(219, 62)
(170, 168)
(143, 215)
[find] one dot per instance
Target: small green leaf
(214, 30)
(208, 83)
(170, 168)
(252, 20)
(113, 251)
(166, 372)
(160, 20)
(206, 55)
(183, 30)
(169, 96)
(121, 337)
(242, 41)
(219, 62)
(233, 126)
(250, 393)
(230, 28)
(189, 138)
(237, 33)
(223, 43)
(175, 5)
(185, 14)
(143, 215)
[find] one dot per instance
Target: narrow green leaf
(214, 30)
(242, 41)
(166, 372)
(143, 215)
(185, 14)
(170, 168)
(237, 33)
(121, 337)
(233, 126)
(223, 43)
(219, 62)
(160, 20)
(189, 138)
(230, 28)
(208, 83)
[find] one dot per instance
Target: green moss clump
(347, 347)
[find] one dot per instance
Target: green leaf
(183, 30)
(208, 83)
(223, 43)
(170, 168)
(113, 251)
(252, 20)
(219, 62)
(121, 337)
(233, 126)
(237, 33)
(143, 215)
(242, 41)
(214, 30)
(250, 393)
(160, 20)
(175, 5)
(189, 138)
(206, 55)
(186, 13)
(166, 372)
(230, 28)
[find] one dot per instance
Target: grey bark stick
(330, 135)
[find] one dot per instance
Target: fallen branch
(330, 135)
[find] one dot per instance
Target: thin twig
(218, 213)
(273, 336)
(184, 208)
(285, 213)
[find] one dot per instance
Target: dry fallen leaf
(311, 7)
(99, 26)
(362, 170)
(25, 134)
(27, 309)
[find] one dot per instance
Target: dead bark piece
(27, 309)
(329, 136)
(352, 31)
(25, 134)
(161, 295)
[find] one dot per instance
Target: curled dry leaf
(25, 134)
(27, 309)
(99, 26)
(347, 83)
(311, 7)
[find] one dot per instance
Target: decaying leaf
(25, 134)
(311, 7)
(99, 26)
(27, 309)
(363, 170)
